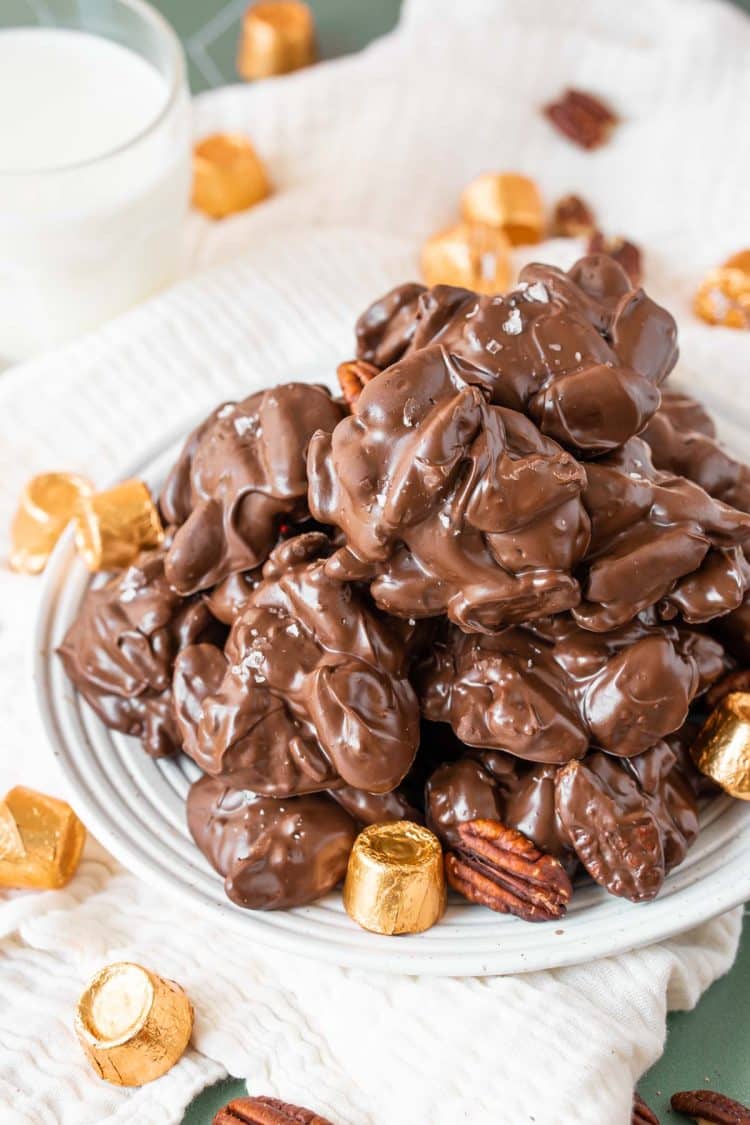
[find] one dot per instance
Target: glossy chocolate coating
(311, 691)
(449, 504)
(582, 353)
(547, 691)
(240, 473)
(629, 821)
(385, 329)
(120, 650)
(657, 539)
(273, 854)
(375, 808)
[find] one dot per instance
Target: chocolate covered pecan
(547, 690)
(582, 353)
(241, 473)
(120, 650)
(449, 504)
(273, 854)
(310, 692)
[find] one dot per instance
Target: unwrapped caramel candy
(276, 38)
(133, 1024)
(47, 504)
(113, 527)
(41, 840)
(506, 202)
(724, 296)
(395, 881)
(228, 175)
(468, 255)
(722, 749)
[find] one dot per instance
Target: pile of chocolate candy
(484, 592)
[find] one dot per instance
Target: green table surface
(710, 1046)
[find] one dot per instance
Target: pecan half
(622, 250)
(738, 680)
(572, 218)
(501, 868)
(709, 1107)
(582, 118)
(266, 1111)
(353, 376)
(643, 1114)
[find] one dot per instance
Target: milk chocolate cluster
(490, 586)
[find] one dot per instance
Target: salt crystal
(537, 292)
(513, 325)
(494, 346)
(243, 424)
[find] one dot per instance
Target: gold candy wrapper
(722, 748)
(228, 175)
(41, 840)
(46, 506)
(468, 255)
(506, 202)
(113, 527)
(395, 881)
(132, 1024)
(276, 38)
(724, 296)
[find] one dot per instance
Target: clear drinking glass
(94, 164)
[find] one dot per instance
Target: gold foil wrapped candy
(469, 255)
(133, 1025)
(724, 296)
(41, 840)
(47, 504)
(113, 527)
(276, 38)
(506, 202)
(228, 175)
(722, 749)
(395, 881)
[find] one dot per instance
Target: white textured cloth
(382, 142)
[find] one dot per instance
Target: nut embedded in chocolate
(241, 472)
(498, 867)
(582, 117)
(274, 854)
(310, 692)
(266, 1111)
(710, 1108)
(643, 1114)
(353, 376)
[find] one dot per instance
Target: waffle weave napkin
(381, 142)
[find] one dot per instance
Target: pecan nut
(353, 376)
(501, 868)
(738, 680)
(572, 218)
(709, 1107)
(582, 118)
(266, 1111)
(625, 252)
(643, 1114)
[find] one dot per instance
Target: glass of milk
(94, 165)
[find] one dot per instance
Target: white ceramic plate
(135, 806)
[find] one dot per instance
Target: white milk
(85, 230)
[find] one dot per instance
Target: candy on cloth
(469, 254)
(722, 748)
(41, 840)
(447, 502)
(311, 691)
(240, 474)
(120, 650)
(113, 527)
(547, 690)
(276, 38)
(273, 853)
(47, 504)
(132, 1024)
(724, 296)
(506, 202)
(395, 881)
(228, 175)
(583, 353)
